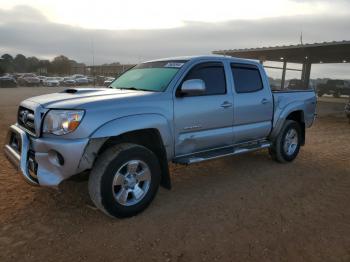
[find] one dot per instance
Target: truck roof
(199, 57)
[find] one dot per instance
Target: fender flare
(281, 115)
(131, 123)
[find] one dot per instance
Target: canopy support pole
(305, 74)
(283, 74)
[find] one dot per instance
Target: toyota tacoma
(182, 110)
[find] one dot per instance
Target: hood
(80, 97)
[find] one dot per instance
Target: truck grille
(25, 118)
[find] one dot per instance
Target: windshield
(151, 76)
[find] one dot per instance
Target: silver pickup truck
(184, 110)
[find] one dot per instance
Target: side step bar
(217, 153)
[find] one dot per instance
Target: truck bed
(304, 99)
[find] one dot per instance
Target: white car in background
(51, 81)
(91, 79)
(68, 81)
(82, 81)
(76, 76)
(59, 79)
(28, 79)
(108, 81)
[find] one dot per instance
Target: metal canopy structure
(305, 54)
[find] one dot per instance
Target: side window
(213, 75)
(247, 78)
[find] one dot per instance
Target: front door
(204, 122)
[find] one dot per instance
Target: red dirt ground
(243, 208)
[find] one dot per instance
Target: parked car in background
(68, 81)
(183, 110)
(51, 81)
(8, 81)
(295, 84)
(334, 87)
(75, 76)
(59, 79)
(28, 79)
(91, 79)
(42, 79)
(81, 81)
(347, 110)
(108, 81)
(100, 80)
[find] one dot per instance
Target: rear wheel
(287, 145)
(124, 180)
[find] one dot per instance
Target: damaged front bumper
(45, 161)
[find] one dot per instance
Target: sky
(133, 31)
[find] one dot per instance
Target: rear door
(205, 121)
(253, 102)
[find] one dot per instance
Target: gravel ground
(242, 208)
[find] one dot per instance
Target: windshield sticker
(174, 64)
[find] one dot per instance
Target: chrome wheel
(131, 182)
(290, 142)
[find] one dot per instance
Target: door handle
(226, 104)
(264, 101)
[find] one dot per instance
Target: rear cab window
(247, 78)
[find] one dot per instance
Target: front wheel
(287, 144)
(124, 180)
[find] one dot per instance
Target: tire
(116, 178)
(279, 151)
(320, 94)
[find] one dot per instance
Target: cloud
(25, 30)
(21, 14)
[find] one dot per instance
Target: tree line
(60, 65)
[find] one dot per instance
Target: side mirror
(193, 87)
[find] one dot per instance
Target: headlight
(61, 122)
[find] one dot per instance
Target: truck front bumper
(44, 161)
